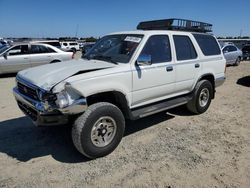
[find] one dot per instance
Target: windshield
(3, 48)
(114, 48)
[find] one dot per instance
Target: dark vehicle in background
(232, 54)
(246, 52)
(54, 43)
(87, 47)
(2, 43)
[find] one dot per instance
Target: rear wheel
(202, 97)
(99, 130)
(55, 61)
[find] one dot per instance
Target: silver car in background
(232, 54)
(25, 55)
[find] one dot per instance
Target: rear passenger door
(40, 55)
(234, 53)
(187, 67)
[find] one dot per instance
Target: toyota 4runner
(126, 75)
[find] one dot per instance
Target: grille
(28, 91)
(28, 110)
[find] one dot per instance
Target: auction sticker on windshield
(132, 39)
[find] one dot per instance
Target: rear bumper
(219, 81)
(41, 116)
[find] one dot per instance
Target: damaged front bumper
(44, 114)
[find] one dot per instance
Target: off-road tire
(194, 105)
(81, 130)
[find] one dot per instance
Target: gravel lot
(173, 149)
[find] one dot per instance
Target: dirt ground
(173, 149)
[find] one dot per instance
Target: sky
(85, 18)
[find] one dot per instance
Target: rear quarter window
(208, 44)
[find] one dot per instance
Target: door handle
(169, 68)
(25, 58)
(197, 65)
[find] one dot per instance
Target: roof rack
(176, 24)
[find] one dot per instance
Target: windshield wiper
(106, 58)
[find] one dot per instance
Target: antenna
(77, 26)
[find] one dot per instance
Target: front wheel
(202, 97)
(99, 130)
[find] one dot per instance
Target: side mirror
(5, 55)
(224, 52)
(144, 60)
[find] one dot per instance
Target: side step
(160, 106)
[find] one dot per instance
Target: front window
(19, 50)
(158, 47)
(3, 49)
(115, 48)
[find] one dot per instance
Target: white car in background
(26, 55)
(71, 46)
(231, 53)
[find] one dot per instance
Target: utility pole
(240, 33)
(77, 26)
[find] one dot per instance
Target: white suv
(126, 75)
(72, 46)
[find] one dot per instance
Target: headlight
(62, 99)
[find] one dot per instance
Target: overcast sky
(55, 18)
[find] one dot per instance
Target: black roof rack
(176, 24)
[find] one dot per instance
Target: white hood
(46, 76)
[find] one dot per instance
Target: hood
(47, 76)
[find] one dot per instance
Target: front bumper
(43, 115)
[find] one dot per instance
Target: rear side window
(50, 50)
(208, 44)
(232, 49)
(184, 48)
(158, 47)
(39, 49)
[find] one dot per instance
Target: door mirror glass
(144, 59)
(5, 55)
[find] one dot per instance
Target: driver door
(155, 82)
(17, 59)
(227, 54)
